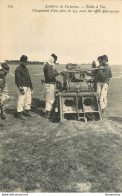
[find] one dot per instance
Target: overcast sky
(74, 37)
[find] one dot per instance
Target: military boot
(3, 116)
(20, 116)
(29, 114)
(47, 114)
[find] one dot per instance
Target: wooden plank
(70, 94)
(77, 108)
(99, 108)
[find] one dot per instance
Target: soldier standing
(24, 84)
(50, 74)
(102, 78)
(4, 69)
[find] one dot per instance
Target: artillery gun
(76, 98)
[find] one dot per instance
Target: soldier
(25, 88)
(4, 69)
(102, 78)
(50, 74)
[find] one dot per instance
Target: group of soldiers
(24, 85)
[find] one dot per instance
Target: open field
(37, 155)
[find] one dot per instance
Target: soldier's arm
(31, 85)
(18, 80)
(110, 73)
(89, 73)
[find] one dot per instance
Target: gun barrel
(82, 70)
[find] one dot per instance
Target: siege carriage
(76, 98)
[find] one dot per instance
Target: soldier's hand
(32, 89)
(83, 74)
(86, 72)
(59, 72)
(22, 90)
(62, 74)
(42, 81)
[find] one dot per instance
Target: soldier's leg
(49, 89)
(28, 101)
(3, 114)
(20, 104)
(98, 88)
(103, 97)
(21, 100)
(1, 109)
(47, 95)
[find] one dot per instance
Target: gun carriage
(76, 98)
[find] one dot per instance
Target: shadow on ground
(114, 118)
(38, 106)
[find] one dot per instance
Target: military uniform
(102, 78)
(24, 84)
(50, 74)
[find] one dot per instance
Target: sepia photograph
(61, 96)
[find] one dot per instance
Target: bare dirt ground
(37, 155)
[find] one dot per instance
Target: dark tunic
(50, 73)
(103, 75)
(22, 77)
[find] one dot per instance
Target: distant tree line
(14, 62)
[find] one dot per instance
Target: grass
(69, 156)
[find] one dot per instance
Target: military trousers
(102, 89)
(49, 96)
(24, 100)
